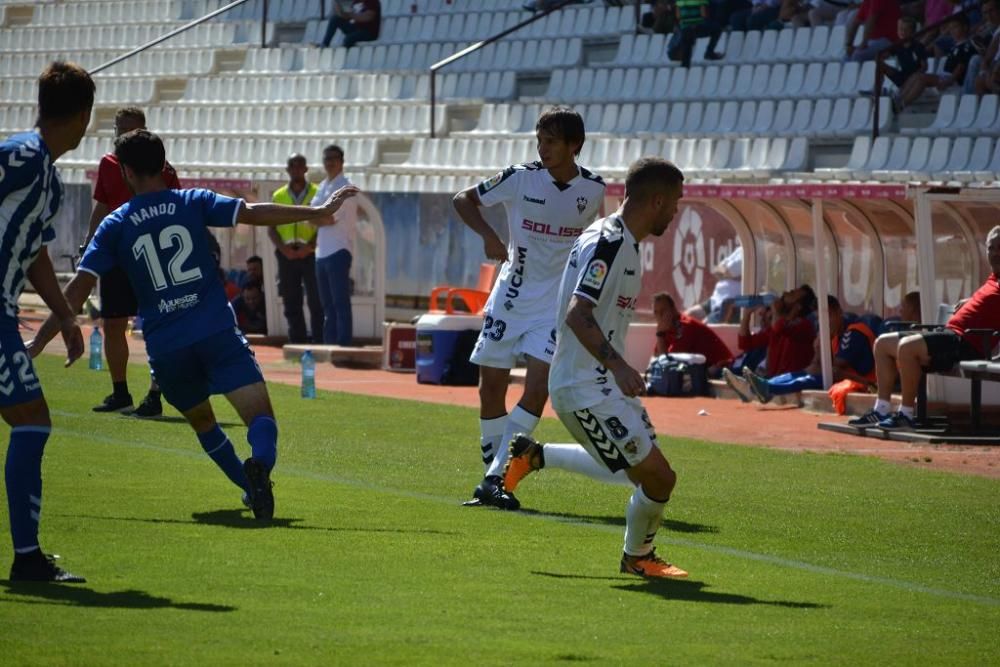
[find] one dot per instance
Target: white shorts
(617, 432)
(502, 342)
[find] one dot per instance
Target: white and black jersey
(603, 267)
(545, 217)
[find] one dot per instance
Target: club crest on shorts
(581, 204)
(595, 273)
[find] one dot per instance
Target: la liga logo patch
(492, 182)
(595, 274)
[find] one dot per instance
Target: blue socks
(263, 438)
(23, 474)
(219, 449)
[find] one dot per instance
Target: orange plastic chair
(473, 300)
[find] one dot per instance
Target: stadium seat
(988, 116)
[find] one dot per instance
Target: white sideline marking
(689, 544)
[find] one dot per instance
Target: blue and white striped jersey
(30, 194)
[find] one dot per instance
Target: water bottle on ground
(96, 343)
(308, 374)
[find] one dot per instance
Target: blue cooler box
(444, 343)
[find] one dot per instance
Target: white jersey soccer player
(548, 204)
(594, 391)
(545, 219)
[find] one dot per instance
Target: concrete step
(367, 356)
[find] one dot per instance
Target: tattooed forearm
(606, 353)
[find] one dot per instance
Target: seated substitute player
(30, 196)
(548, 204)
(593, 389)
(194, 346)
(908, 353)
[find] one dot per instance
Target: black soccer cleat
(490, 493)
(149, 407)
(36, 566)
(114, 403)
(261, 496)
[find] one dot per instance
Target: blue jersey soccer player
(30, 195)
(194, 346)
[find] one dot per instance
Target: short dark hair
(832, 302)
(336, 149)
(564, 123)
(663, 296)
(64, 90)
(134, 113)
(961, 20)
(255, 259)
(296, 157)
(141, 151)
(253, 283)
(648, 176)
(912, 298)
(912, 22)
(808, 299)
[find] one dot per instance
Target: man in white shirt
(548, 203)
(334, 252)
(594, 391)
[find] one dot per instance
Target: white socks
(518, 421)
(882, 407)
(643, 517)
(574, 458)
(490, 433)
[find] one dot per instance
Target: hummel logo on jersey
(629, 272)
(581, 204)
(606, 391)
(533, 200)
(508, 304)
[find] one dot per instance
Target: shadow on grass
(176, 419)
(76, 596)
(670, 524)
(242, 519)
(685, 590)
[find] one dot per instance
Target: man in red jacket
(677, 332)
(912, 352)
(789, 339)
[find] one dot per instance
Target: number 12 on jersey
(170, 236)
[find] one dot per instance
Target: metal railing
(882, 55)
(478, 45)
(183, 28)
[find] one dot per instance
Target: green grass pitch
(794, 558)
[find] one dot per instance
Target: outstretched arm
(580, 319)
(268, 214)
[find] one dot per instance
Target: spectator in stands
(910, 55)
(795, 13)
(789, 338)
(908, 354)
(909, 310)
(249, 309)
(359, 23)
(728, 274)
(254, 271)
(851, 340)
(660, 18)
(676, 332)
(693, 21)
(983, 68)
(295, 251)
(878, 20)
(762, 15)
(334, 253)
(954, 69)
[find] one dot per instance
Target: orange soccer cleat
(524, 458)
(650, 565)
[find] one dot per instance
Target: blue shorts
(18, 381)
(217, 364)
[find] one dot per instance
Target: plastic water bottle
(96, 343)
(308, 374)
